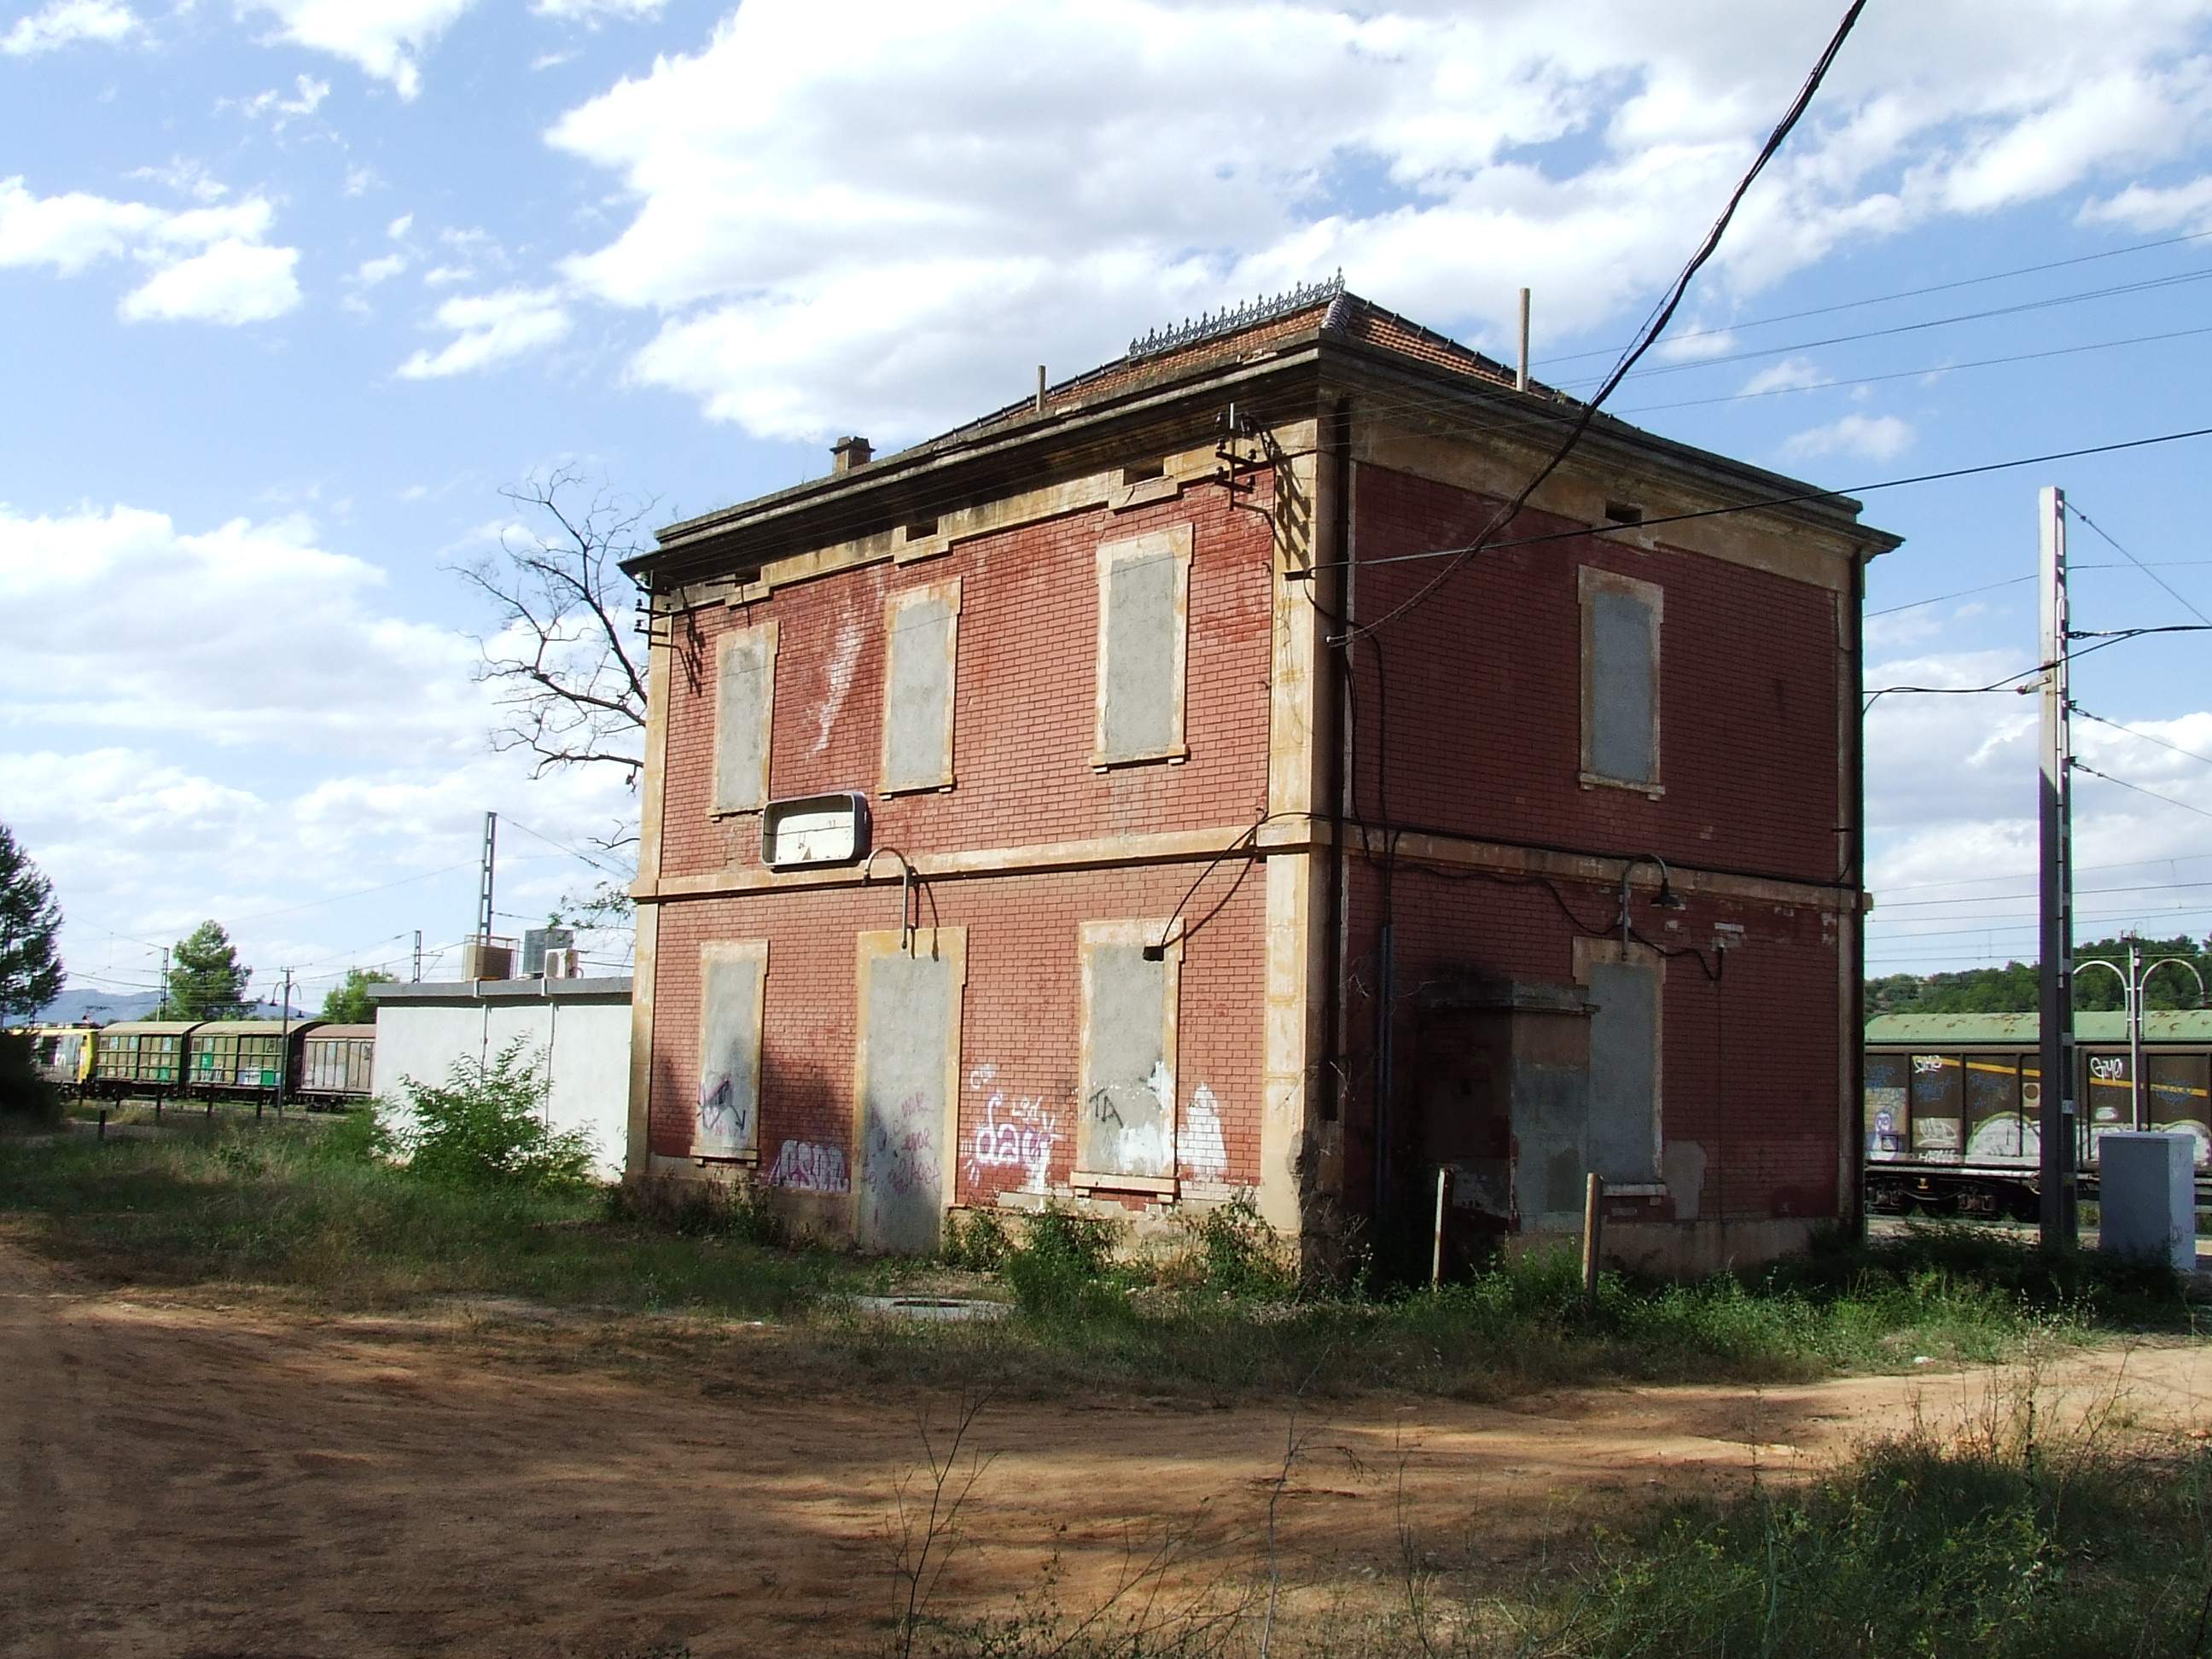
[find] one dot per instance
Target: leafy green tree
(349, 1004)
(206, 980)
(30, 923)
(2015, 987)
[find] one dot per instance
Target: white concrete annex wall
(580, 1043)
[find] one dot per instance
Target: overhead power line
(1904, 294)
(2184, 603)
(2145, 736)
(2186, 807)
(1662, 314)
(2050, 303)
(1795, 498)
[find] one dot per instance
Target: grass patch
(1985, 1541)
(302, 1205)
(307, 1206)
(1222, 1315)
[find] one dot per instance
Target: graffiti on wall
(902, 1149)
(725, 1119)
(805, 1167)
(1017, 1132)
(1204, 1154)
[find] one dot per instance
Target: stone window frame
(762, 634)
(1590, 581)
(947, 591)
(755, 951)
(1173, 542)
(1142, 932)
(1612, 952)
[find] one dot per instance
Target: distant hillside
(107, 1007)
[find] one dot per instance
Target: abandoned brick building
(1126, 799)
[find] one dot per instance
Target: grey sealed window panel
(918, 714)
(1142, 622)
(1624, 1072)
(1623, 675)
(1128, 1109)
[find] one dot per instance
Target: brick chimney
(848, 453)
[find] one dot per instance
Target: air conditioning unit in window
(815, 830)
(487, 958)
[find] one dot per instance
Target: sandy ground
(181, 1477)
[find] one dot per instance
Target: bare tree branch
(568, 673)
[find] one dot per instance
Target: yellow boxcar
(63, 1055)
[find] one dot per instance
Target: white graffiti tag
(806, 1167)
(1015, 1133)
(1205, 1153)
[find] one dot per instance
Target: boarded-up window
(1621, 680)
(1127, 1132)
(906, 1085)
(733, 975)
(745, 710)
(1624, 983)
(1143, 608)
(923, 645)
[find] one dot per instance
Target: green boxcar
(239, 1056)
(142, 1054)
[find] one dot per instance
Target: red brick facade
(1472, 842)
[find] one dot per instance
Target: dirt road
(184, 1478)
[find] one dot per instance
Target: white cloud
(446, 275)
(399, 227)
(232, 281)
(64, 22)
(209, 264)
(385, 38)
(186, 177)
(2145, 207)
(369, 273)
(177, 659)
(182, 757)
(359, 181)
(308, 98)
(1951, 805)
(591, 11)
(1877, 437)
(825, 249)
(1790, 375)
(1692, 346)
(492, 329)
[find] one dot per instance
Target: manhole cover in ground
(941, 1308)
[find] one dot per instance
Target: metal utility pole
(484, 889)
(2056, 835)
(418, 956)
(2135, 982)
(164, 1013)
(283, 1039)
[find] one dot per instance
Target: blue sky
(288, 292)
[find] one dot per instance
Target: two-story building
(1135, 798)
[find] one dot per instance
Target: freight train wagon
(1953, 1104)
(62, 1055)
(232, 1060)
